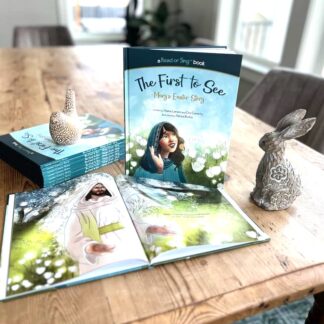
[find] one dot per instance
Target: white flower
(17, 278)
(214, 181)
(223, 165)
(131, 145)
(209, 173)
(39, 287)
(220, 185)
(47, 263)
(72, 268)
(48, 275)
(133, 163)
(15, 287)
(50, 281)
(29, 255)
(61, 270)
(143, 142)
(58, 275)
(38, 261)
(251, 234)
(40, 270)
(128, 157)
(140, 152)
(216, 170)
(139, 139)
(198, 165)
(26, 283)
(58, 263)
(216, 155)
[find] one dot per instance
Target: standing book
(96, 226)
(179, 106)
(33, 152)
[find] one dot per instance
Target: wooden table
(220, 287)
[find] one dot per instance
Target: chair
(282, 91)
(38, 36)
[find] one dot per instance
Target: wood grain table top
(220, 287)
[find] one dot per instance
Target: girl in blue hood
(163, 156)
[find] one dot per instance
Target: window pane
(262, 27)
(100, 16)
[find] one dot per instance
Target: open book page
(76, 231)
(180, 220)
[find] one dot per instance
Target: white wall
(199, 14)
(23, 13)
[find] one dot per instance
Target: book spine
(74, 168)
(76, 173)
(81, 155)
(68, 169)
(86, 158)
(126, 108)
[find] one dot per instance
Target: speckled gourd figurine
(65, 128)
(277, 183)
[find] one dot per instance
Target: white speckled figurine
(64, 127)
(277, 183)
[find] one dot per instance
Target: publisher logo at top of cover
(200, 63)
(194, 62)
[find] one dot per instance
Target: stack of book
(32, 151)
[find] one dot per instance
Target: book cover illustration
(178, 114)
(67, 231)
(36, 142)
(176, 221)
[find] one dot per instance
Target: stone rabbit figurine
(65, 128)
(277, 184)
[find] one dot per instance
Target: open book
(96, 226)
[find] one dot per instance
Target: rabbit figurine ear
(290, 119)
(298, 129)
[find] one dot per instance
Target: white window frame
(296, 45)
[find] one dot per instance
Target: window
(96, 20)
(100, 16)
(287, 33)
(261, 28)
